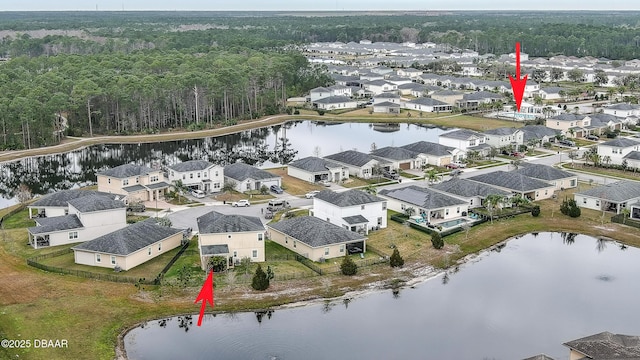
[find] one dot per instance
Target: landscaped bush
(437, 241)
(535, 211)
(217, 263)
(260, 279)
(320, 112)
(348, 266)
(396, 260)
(570, 208)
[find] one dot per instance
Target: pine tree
(396, 260)
(260, 280)
(437, 241)
(348, 266)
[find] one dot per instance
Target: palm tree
(180, 189)
(606, 159)
(370, 189)
(431, 175)
(519, 200)
(492, 202)
(625, 214)
(516, 162)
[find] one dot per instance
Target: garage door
(405, 166)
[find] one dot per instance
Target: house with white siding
(314, 169)
(433, 206)
(474, 193)
(617, 149)
(247, 177)
(358, 163)
(434, 153)
(505, 136)
(198, 174)
(354, 210)
(57, 203)
(135, 182)
(399, 158)
(335, 103)
(532, 189)
(465, 140)
(560, 179)
(427, 105)
(611, 197)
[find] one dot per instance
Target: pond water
(527, 298)
(261, 147)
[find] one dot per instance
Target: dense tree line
(144, 91)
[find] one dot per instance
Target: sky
(327, 5)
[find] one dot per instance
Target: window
(172, 174)
(73, 235)
(204, 174)
(216, 185)
(286, 239)
(384, 205)
(184, 176)
(254, 254)
(149, 251)
(326, 251)
(228, 236)
(362, 207)
(446, 211)
(109, 180)
(198, 175)
(380, 221)
(472, 142)
(597, 202)
(545, 192)
(402, 206)
(191, 176)
(537, 193)
(458, 210)
(584, 200)
(235, 254)
(216, 173)
(137, 179)
(160, 246)
(153, 178)
(125, 182)
(557, 123)
(471, 202)
(98, 258)
(113, 260)
(294, 243)
(342, 248)
(66, 211)
(260, 236)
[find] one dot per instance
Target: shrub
(264, 190)
(217, 263)
(437, 241)
(396, 260)
(535, 211)
(570, 208)
(296, 112)
(348, 266)
(320, 112)
(574, 212)
(260, 279)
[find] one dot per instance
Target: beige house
(231, 236)
(570, 125)
(316, 239)
(560, 179)
(57, 203)
(129, 246)
(530, 188)
(604, 346)
(135, 182)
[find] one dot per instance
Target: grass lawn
(180, 200)
(292, 185)
(190, 259)
(629, 174)
(19, 220)
(333, 265)
(235, 196)
(135, 218)
(355, 182)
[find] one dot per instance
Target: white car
(241, 203)
(459, 164)
(198, 193)
(311, 194)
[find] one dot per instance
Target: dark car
(391, 175)
(451, 166)
(592, 137)
(276, 189)
(136, 207)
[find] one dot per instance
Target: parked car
(451, 166)
(326, 183)
(517, 154)
(276, 189)
(241, 203)
(311, 194)
(198, 193)
(567, 142)
(455, 172)
(391, 175)
(277, 204)
(136, 207)
(459, 164)
(592, 137)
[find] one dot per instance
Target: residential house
(358, 163)
(316, 239)
(531, 88)
(604, 346)
(335, 103)
(198, 174)
(386, 107)
(617, 149)
(319, 93)
(410, 72)
(622, 110)
(634, 211)
(247, 177)
(128, 247)
(354, 210)
(475, 101)
(377, 87)
(386, 97)
(398, 80)
(340, 90)
(434, 153)
(450, 97)
(314, 169)
(559, 178)
(408, 89)
(57, 203)
(427, 105)
(527, 187)
(570, 125)
(432, 205)
(601, 123)
(632, 159)
(536, 135)
(233, 237)
(88, 217)
(474, 193)
(506, 136)
(135, 182)
(551, 93)
(399, 158)
(609, 197)
(465, 140)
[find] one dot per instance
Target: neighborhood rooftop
(126, 171)
(347, 198)
(95, 203)
(543, 172)
(351, 157)
(394, 153)
(242, 171)
(422, 197)
(429, 148)
(462, 134)
(313, 164)
(129, 239)
(510, 180)
(215, 222)
(191, 165)
(618, 191)
(607, 346)
(315, 232)
(56, 223)
(468, 188)
(61, 198)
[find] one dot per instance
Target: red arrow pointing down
(517, 84)
(206, 294)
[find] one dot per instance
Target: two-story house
(198, 174)
(354, 210)
(231, 236)
(505, 136)
(570, 125)
(135, 182)
(87, 218)
(465, 140)
(617, 149)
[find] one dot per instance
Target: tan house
(530, 188)
(316, 239)
(559, 178)
(570, 125)
(135, 182)
(231, 236)
(604, 346)
(129, 246)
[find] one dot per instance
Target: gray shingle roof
(350, 157)
(552, 89)
(623, 106)
(334, 100)
(395, 153)
(468, 188)
(127, 170)
(607, 346)
(422, 197)
(481, 95)
(347, 198)
(241, 172)
(56, 223)
(537, 132)
(215, 249)
(134, 188)
(379, 82)
(462, 134)
(510, 180)
(95, 203)
(618, 191)
(313, 164)
(429, 148)
(191, 165)
(387, 95)
(634, 155)
(61, 198)
(356, 219)
(543, 172)
(386, 104)
(427, 102)
(539, 357)
(448, 93)
(129, 239)
(620, 142)
(315, 232)
(216, 223)
(158, 185)
(501, 131)
(567, 117)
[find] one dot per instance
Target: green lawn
(629, 174)
(19, 220)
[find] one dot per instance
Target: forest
(87, 73)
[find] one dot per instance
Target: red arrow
(517, 84)
(206, 294)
